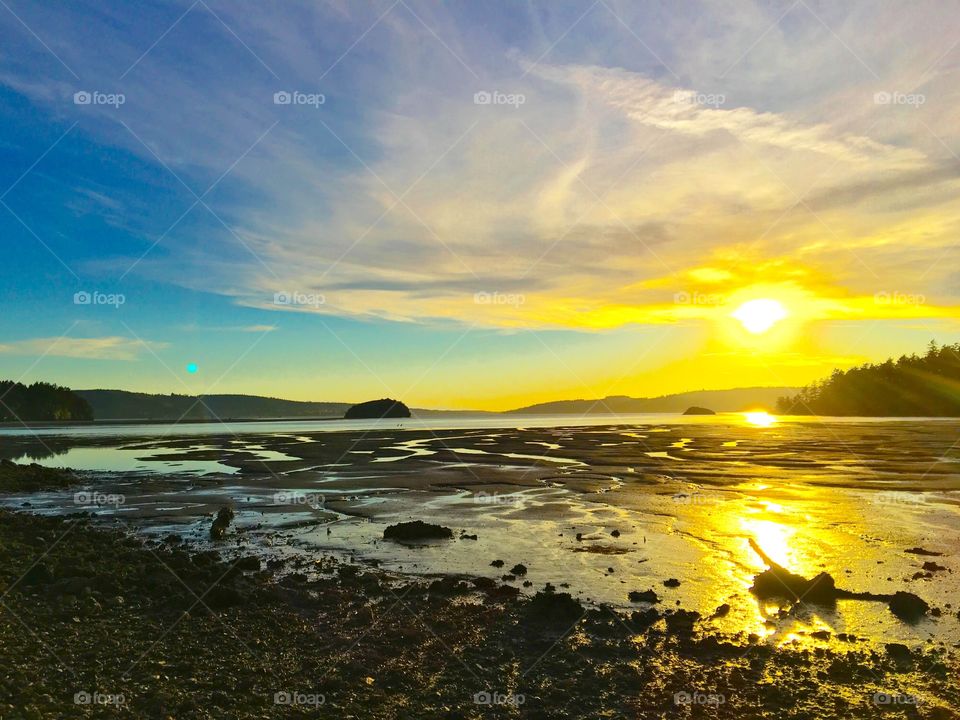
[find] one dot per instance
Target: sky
(469, 204)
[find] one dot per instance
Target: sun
(758, 316)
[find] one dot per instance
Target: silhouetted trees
(41, 401)
(927, 385)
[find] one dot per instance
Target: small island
(695, 410)
(375, 409)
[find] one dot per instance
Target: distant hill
(123, 405)
(41, 402)
(733, 400)
(375, 409)
(912, 386)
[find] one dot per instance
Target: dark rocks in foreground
(376, 409)
(697, 410)
(417, 530)
(550, 608)
(110, 600)
(15, 477)
(218, 529)
(778, 582)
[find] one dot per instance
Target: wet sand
(650, 502)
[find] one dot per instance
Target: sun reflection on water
(759, 418)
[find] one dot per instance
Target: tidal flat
(638, 544)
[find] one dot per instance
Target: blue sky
(639, 171)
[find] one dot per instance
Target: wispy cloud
(91, 348)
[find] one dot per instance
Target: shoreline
(156, 630)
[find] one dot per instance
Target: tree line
(914, 385)
(41, 401)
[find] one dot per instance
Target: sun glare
(758, 316)
(760, 418)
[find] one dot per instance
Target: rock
(921, 551)
(518, 569)
(464, 536)
(220, 523)
(721, 611)
(643, 619)
(615, 533)
(898, 651)
(671, 583)
(932, 566)
(553, 608)
(417, 530)
(907, 606)
(251, 563)
(648, 596)
(778, 582)
(681, 621)
(376, 409)
(695, 410)
(820, 634)
(222, 597)
(484, 583)
(497, 564)
(39, 574)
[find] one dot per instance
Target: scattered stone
(643, 619)
(417, 530)
(464, 536)
(551, 608)
(898, 651)
(933, 567)
(497, 564)
(671, 583)
(907, 606)
(721, 611)
(921, 551)
(648, 596)
(682, 621)
(221, 522)
(251, 563)
(615, 533)
(39, 574)
(518, 569)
